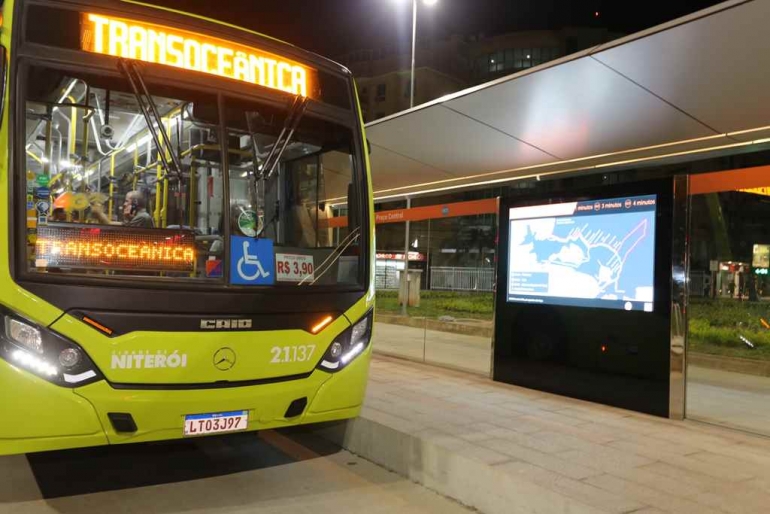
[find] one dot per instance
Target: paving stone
(651, 448)
(605, 459)
(648, 477)
(687, 478)
(534, 441)
(585, 493)
(724, 471)
(483, 454)
(649, 496)
(543, 460)
(740, 498)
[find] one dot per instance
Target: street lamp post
(414, 44)
(414, 49)
(405, 276)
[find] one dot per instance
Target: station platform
(503, 449)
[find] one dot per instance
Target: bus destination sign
(120, 37)
(114, 248)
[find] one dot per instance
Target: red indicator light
(604, 348)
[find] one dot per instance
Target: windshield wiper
(149, 109)
(258, 167)
(265, 170)
(296, 111)
(327, 264)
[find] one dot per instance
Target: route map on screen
(598, 253)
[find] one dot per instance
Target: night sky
(333, 27)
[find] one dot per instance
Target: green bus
(187, 247)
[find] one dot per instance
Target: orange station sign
(448, 210)
(747, 180)
(130, 39)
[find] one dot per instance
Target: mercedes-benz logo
(224, 359)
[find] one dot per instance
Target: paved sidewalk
(722, 397)
(502, 448)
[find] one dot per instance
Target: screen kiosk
(584, 294)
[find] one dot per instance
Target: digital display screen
(114, 248)
(598, 253)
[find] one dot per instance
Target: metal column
(680, 269)
(405, 274)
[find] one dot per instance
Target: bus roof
(204, 18)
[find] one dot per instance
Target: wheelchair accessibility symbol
(252, 261)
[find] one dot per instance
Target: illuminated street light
(405, 275)
(428, 3)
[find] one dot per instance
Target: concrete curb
(469, 481)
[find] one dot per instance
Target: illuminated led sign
(413, 256)
(148, 42)
(761, 256)
(114, 248)
(764, 191)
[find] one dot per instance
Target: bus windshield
(215, 189)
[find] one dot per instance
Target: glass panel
(728, 351)
(509, 59)
(396, 333)
(103, 198)
(482, 65)
(91, 161)
(291, 202)
(459, 302)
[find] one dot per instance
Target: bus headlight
(348, 345)
(45, 353)
(23, 334)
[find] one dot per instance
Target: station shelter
(680, 111)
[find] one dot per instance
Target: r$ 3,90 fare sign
(293, 268)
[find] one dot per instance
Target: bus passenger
(134, 212)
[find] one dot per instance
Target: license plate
(202, 424)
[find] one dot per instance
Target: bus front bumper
(40, 416)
